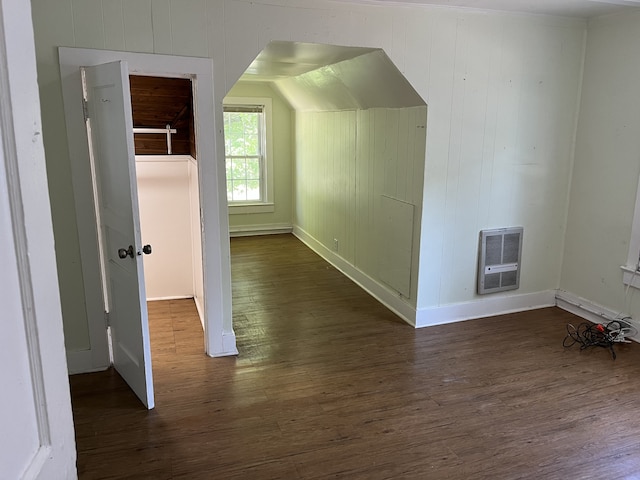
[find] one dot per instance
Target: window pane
(239, 191)
(251, 123)
(228, 167)
(234, 134)
(243, 133)
(239, 169)
(229, 190)
(253, 169)
(253, 190)
(252, 145)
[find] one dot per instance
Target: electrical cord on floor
(597, 335)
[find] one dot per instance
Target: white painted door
(111, 137)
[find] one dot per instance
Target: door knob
(124, 253)
(146, 249)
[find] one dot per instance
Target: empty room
(407, 218)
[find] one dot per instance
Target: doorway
(356, 147)
(168, 198)
(219, 338)
(168, 187)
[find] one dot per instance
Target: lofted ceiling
(317, 77)
(281, 60)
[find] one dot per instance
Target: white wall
(345, 162)
(196, 237)
(169, 199)
(165, 219)
(605, 174)
(502, 104)
(501, 89)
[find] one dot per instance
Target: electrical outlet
(335, 244)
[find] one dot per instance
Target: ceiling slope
(314, 77)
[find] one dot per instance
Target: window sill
(251, 208)
(630, 276)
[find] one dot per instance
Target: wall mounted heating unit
(499, 259)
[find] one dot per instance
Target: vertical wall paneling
(418, 147)
(418, 44)
(88, 27)
(455, 171)
(53, 26)
(113, 19)
(606, 168)
(241, 31)
(162, 29)
(404, 166)
(494, 90)
(441, 80)
(395, 234)
(138, 26)
(391, 160)
(352, 186)
(509, 128)
(471, 77)
(189, 28)
(351, 244)
(273, 24)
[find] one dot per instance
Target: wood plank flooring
(330, 384)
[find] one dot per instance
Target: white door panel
(111, 131)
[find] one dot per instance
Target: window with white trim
(247, 141)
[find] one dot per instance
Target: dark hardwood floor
(330, 384)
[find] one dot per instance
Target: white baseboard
(389, 298)
(484, 307)
(591, 311)
(228, 345)
(172, 297)
(267, 229)
(81, 361)
(200, 310)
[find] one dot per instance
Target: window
(247, 154)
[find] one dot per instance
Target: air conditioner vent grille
(499, 259)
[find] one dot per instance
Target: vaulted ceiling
(318, 77)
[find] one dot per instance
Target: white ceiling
(289, 59)
(365, 81)
(317, 77)
(570, 8)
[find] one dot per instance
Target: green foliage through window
(243, 144)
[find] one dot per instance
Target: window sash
(259, 109)
(246, 179)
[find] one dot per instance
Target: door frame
(219, 335)
(37, 422)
